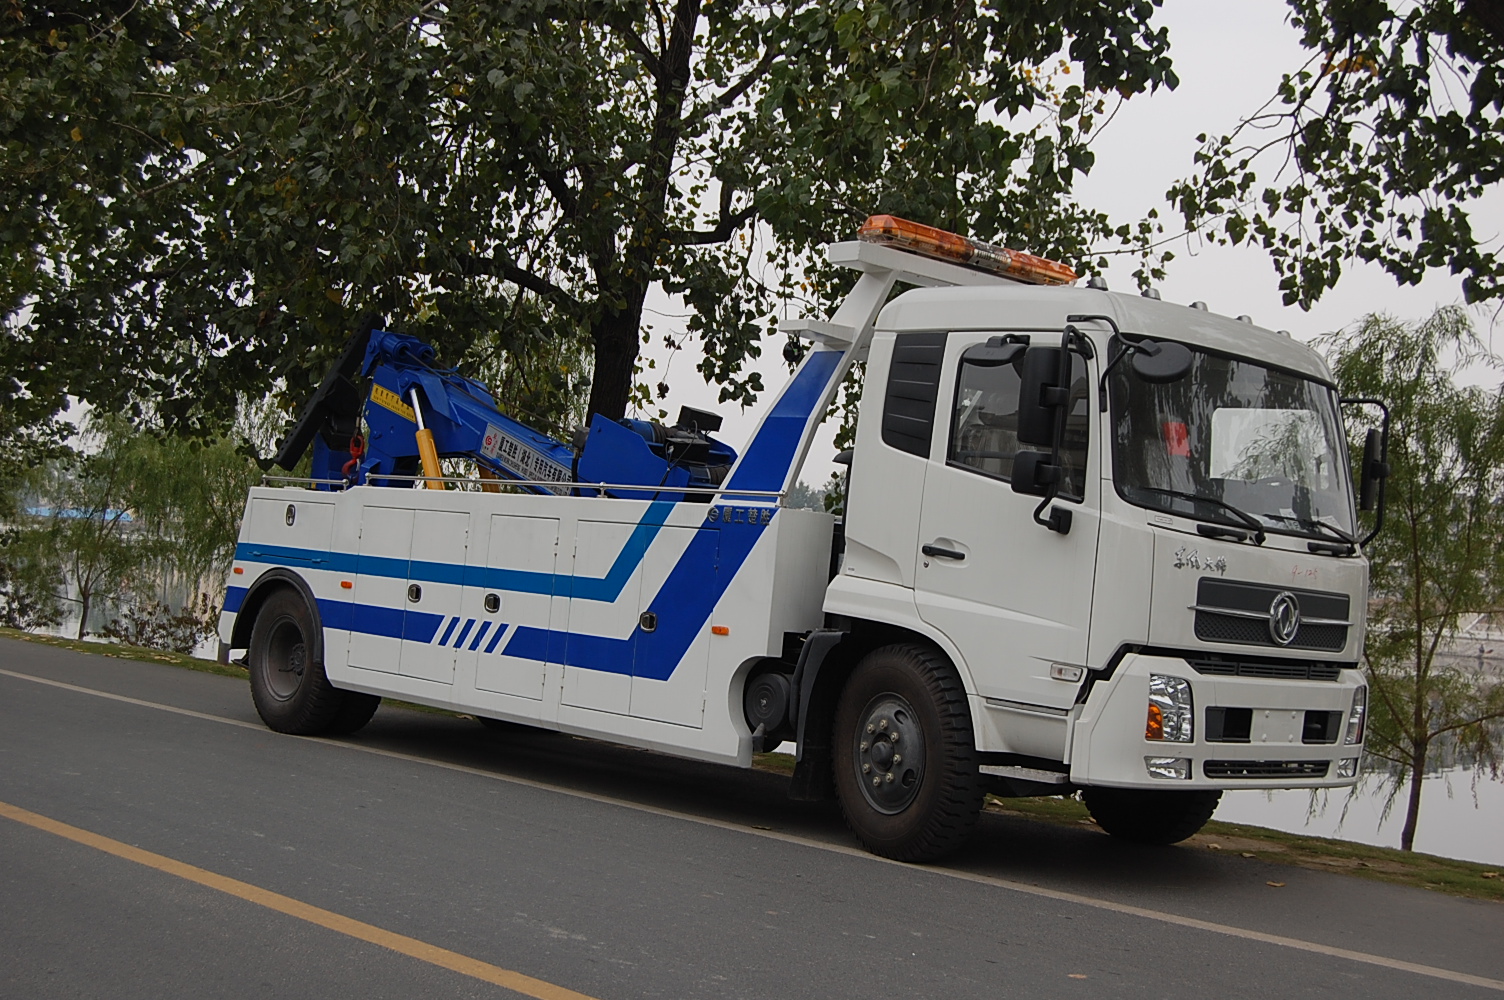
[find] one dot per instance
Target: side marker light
(238, 570)
(719, 630)
(346, 584)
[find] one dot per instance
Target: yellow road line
(400, 943)
(1025, 888)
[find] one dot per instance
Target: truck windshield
(1233, 436)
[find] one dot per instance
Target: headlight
(1357, 716)
(1172, 714)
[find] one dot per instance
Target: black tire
(1150, 816)
(926, 805)
(354, 713)
(501, 725)
(288, 685)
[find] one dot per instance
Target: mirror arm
(1378, 519)
(1124, 349)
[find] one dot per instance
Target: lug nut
(890, 776)
(898, 758)
(893, 737)
(864, 746)
(883, 724)
(866, 768)
(871, 728)
(877, 781)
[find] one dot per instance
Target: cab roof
(1007, 308)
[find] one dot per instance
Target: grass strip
(1383, 864)
(123, 652)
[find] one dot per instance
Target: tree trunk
(84, 600)
(616, 342)
(1412, 808)
(617, 331)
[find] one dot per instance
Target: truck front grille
(1265, 768)
(1234, 611)
(1288, 670)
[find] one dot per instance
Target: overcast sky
(1229, 56)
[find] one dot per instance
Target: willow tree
(1440, 556)
(214, 191)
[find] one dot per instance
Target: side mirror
(1040, 397)
(1033, 473)
(1375, 470)
(1160, 363)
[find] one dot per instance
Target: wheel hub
(889, 754)
(286, 660)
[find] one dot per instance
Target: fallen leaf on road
(1246, 854)
(1277, 885)
(1075, 975)
(1490, 874)
(1214, 847)
(755, 826)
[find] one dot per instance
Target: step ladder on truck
(1091, 542)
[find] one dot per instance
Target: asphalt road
(606, 871)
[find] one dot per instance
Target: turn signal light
(1154, 729)
(927, 241)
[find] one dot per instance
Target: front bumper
(1108, 745)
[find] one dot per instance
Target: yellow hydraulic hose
(428, 452)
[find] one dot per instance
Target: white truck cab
(1091, 541)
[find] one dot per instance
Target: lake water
(1453, 823)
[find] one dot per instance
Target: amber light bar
(901, 234)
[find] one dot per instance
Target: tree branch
(637, 46)
(507, 271)
(741, 86)
(729, 223)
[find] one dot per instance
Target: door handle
(414, 593)
(943, 553)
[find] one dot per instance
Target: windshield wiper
(1345, 546)
(1254, 527)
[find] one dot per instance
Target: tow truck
(1091, 542)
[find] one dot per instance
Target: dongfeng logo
(1284, 618)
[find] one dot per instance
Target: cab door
(1014, 596)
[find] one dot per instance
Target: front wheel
(905, 758)
(1150, 816)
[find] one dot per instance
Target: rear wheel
(354, 713)
(501, 725)
(291, 692)
(1150, 816)
(905, 758)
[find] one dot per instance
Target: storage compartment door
(520, 582)
(379, 598)
(603, 609)
(670, 662)
(435, 629)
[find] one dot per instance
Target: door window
(984, 424)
